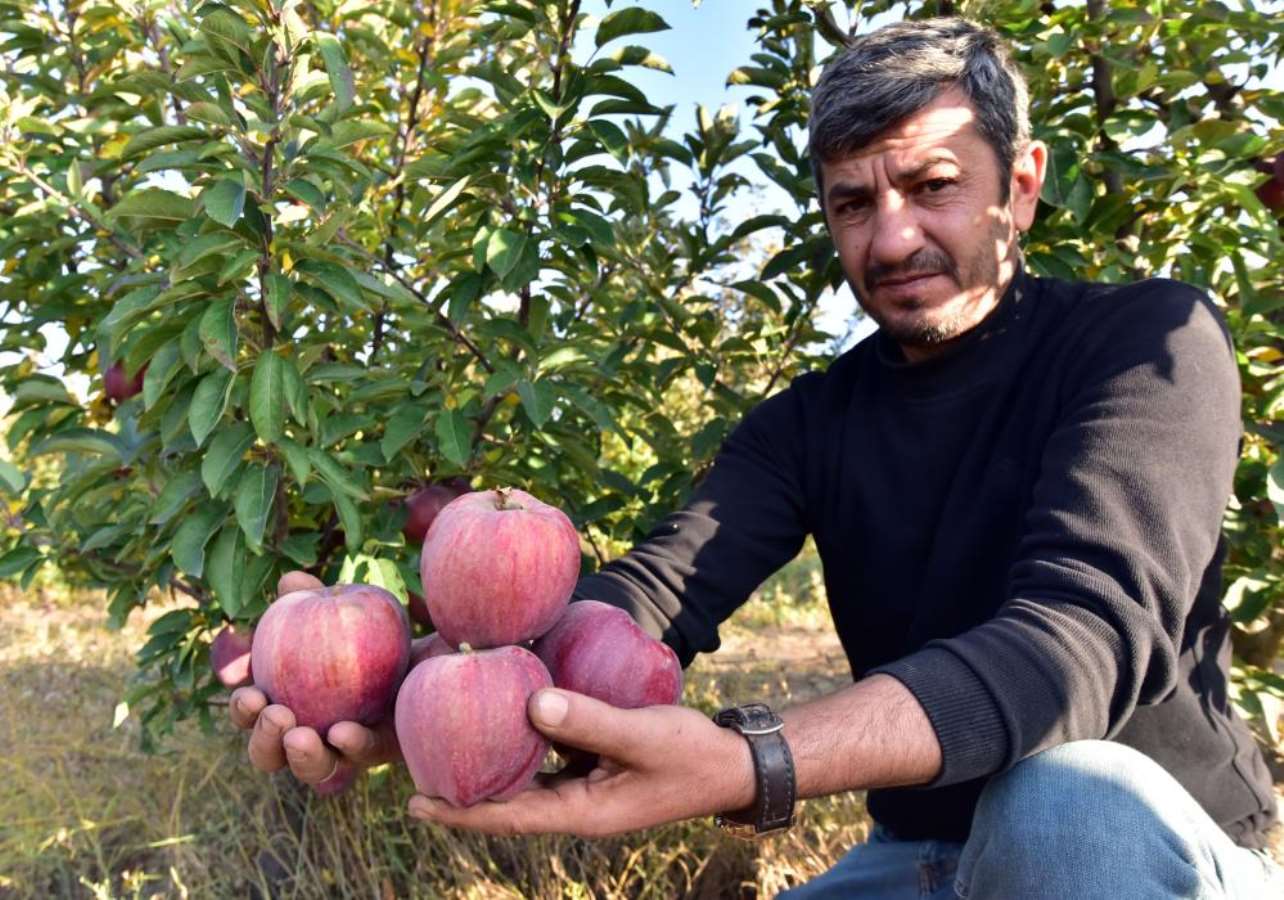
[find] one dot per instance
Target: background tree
(355, 247)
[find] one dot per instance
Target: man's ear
(1028, 169)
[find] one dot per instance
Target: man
(1016, 488)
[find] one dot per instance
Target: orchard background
(358, 247)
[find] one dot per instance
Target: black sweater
(1023, 530)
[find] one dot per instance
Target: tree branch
(190, 590)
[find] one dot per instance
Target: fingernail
(550, 708)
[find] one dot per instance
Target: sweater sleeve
(744, 520)
(1124, 521)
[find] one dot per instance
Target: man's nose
(897, 234)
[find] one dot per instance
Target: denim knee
(1084, 819)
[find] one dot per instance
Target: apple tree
(355, 249)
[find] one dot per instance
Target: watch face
(752, 718)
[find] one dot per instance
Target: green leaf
(296, 392)
(296, 457)
(226, 570)
(350, 131)
(633, 55)
(611, 137)
(278, 299)
(224, 201)
(335, 475)
(1275, 487)
(254, 496)
(188, 547)
(18, 559)
(443, 200)
(157, 137)
(105, 537)
(333, 278)
(211, 113)
(267, 397)
(12, 478)
(403, 427)
(350, 519)
(301, 549)
(538, 399)
(79, 440)
(366, 569)
(218, 331)
(155, 204)
(174, 496)
(503, 249)
(307, 192)
(463, 292)
(208, 404)
(129, 310)
(203, 246)
(229, 28)
(41, 389)
(453, 437)
(224, 455)
(160, 371)
(336, 66)
(761, 292)
(630, 20)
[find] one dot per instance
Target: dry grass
(84, 814)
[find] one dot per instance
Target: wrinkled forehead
(945, 131)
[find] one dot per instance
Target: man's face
(924, 242)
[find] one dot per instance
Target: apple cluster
(498, 568)
(1271, 191)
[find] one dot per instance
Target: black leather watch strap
(773, 807)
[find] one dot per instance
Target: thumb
(588, 724)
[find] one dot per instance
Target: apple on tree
(230, 655)
(118, 386)
(426, 502)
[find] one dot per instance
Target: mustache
(921, 263)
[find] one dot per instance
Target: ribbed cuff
(967, 721)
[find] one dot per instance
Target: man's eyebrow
(846, 190)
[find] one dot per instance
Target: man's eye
(936, 184)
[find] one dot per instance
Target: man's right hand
(330, 766)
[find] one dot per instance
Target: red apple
(462, 726)
(418, 609)
(597, 649)
(333, 654)
(1279, 167)
(498, 567)
(230, 655)
(1271, 193)
(423, 505)
(118, 386)
(427, 648)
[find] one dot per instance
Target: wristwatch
(773, 806)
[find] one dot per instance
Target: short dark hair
(886, 76)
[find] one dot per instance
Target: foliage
(358, 246)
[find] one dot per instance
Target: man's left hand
(655, 765)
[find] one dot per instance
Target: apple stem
(504, 499)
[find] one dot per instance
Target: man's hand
(658, 764)
(330, 766)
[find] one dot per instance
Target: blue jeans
(1089, 819)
